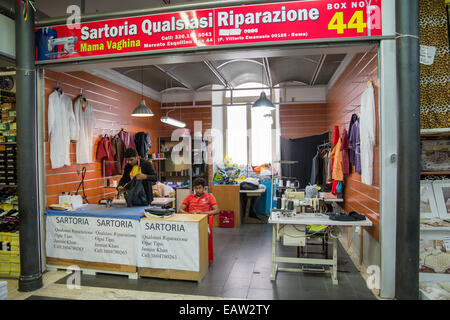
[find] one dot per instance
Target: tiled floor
(241, 270)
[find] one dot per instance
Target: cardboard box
(8, 106)
(12, 113)
(4, 126)
(8, 119)
(13, 125)
(5, 256)
(11, 139)
(5, 267)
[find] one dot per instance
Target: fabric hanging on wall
(62, 127)
(143, 143)
(351, 152)
(336, 155)
(355, 146)
(302, 150)
(118, 150)
(344, 150)
(367, 133)
(127, 139)
(335, 141)
(105, 153)
(85, 122)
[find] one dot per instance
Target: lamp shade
(142, 110)
(173, 122)
(263, 102)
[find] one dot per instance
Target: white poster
(92, 239)
(169, 245)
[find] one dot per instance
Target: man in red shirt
(199, 202)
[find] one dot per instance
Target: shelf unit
(434, 233)
(194, 170)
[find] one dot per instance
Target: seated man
(199, 202)
(141, 169)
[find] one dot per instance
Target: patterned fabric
(434, 79)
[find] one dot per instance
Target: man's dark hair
(199, 182)
(130, 153)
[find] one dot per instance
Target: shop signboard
(92, 239)
(169, 245)
(262, 24)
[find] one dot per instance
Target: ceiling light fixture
(142, 110)
(263, 102)
(173, 122)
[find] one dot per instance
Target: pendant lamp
(263, 102)
(142, 110)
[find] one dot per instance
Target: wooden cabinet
(228, 198)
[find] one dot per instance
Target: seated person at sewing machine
(199, 202)
(140, 169)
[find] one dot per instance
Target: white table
(308, 219)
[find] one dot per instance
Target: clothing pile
(158, 212)
(352, 216)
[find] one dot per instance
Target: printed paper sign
(169, 245)
(427, 54)
(218, 27)
(92, 239)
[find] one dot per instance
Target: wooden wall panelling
(345, 99)
(112, 106)
(303, 120)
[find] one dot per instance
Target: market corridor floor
(241, 270)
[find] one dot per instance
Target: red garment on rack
(335, 141)
(105, 153)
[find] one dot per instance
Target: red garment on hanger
(105, 153)
(335, 141)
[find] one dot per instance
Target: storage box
(5, 256)
(14, 257)
(14, 267)
(8, 106)
(8, 120)
(5, 267)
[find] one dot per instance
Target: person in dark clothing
(139, 168)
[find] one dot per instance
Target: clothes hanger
(58, 88)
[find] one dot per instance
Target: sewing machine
(68, 42)
(296, 201)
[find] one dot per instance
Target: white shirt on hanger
(62, 128)
(85, 120)
(367, 127)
